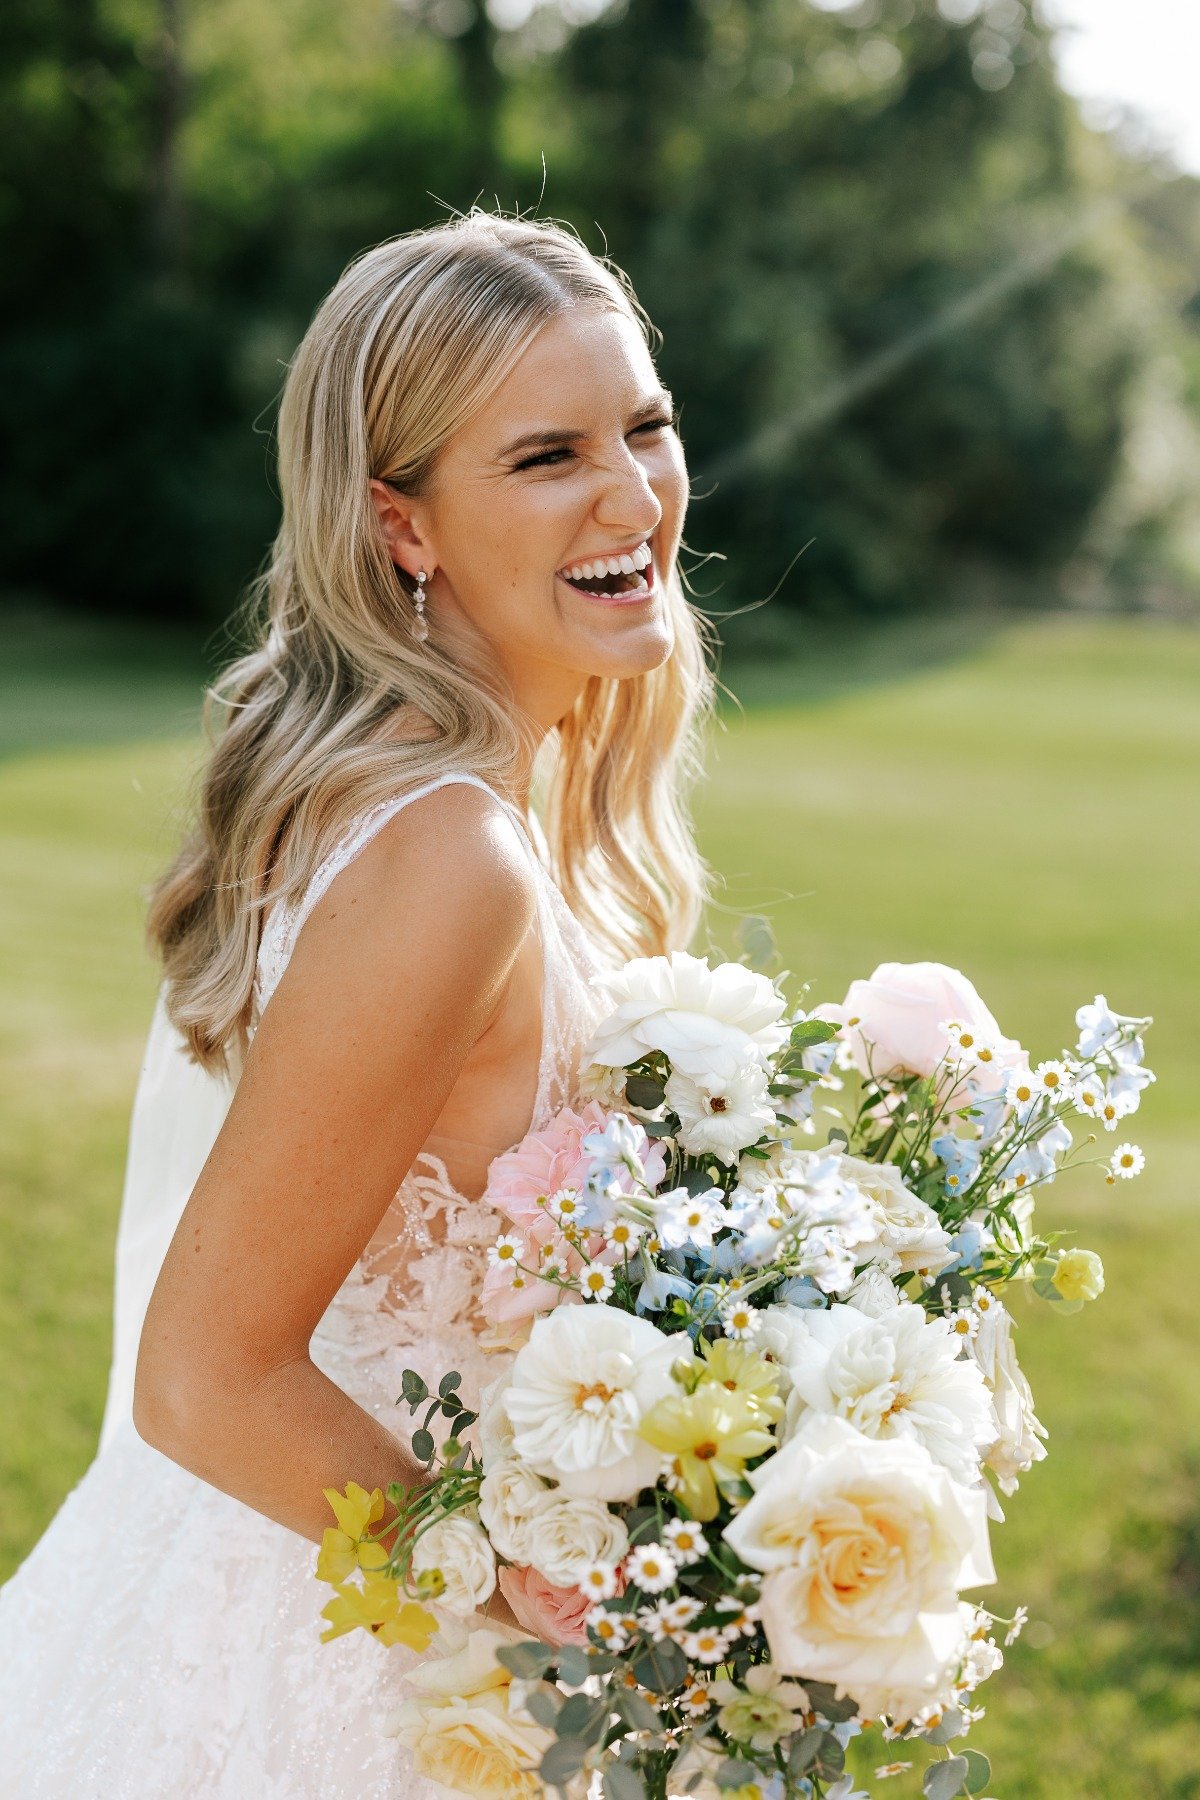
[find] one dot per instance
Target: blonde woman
(380, 969)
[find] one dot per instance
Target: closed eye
(546, 458)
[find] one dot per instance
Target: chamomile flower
(566, 1205)
(1022, 1092)
(623, 1235)
(1127, 1161)
(506, 1249)
(896, 1768)
(611, 1628)
(595, 1281)
(965, 1041)
(708, 1645)
(651, 1567)
(1052, 1079)
(983, 1300)
(964, 1323)
(686, 1541)
(740, 1319)
(1089, 1096)
(1020, 1618)
(669, 1618)
(518, 1279)
(695, 1699)
(599, 1579)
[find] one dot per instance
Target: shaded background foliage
(931, 333)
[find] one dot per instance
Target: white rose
(1018, 1443)
(466, 1727)
(580, 1388)
(495, 1426)
(704, 1019)
(873, 1293)
(459, 1551)
(720, 1115)
(865, 1544)
(896, 1376)
(909, 1235)
(568, 1534)
(510, 1498)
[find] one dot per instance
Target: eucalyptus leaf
(979, 1770)
(448, 1383)
(734, 1773)
(660, 1667)
(943, 1780)
(574, 1665)
(831, 1759)
(422, 1443)
(657, 1128)
(804, 1750)
(646, 1091)
(413, 1388)
(525, 1661)
(825, 1702)
(544, 1704)
(950, 1727)
(623, 1783)
(636, 1712)
(757, 941)
(562, 1761)
(584, 1716)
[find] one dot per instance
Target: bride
(379, 971)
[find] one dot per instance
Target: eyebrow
(547, 437)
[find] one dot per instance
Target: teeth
(636, 560)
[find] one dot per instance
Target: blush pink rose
(553, 1158)
(556, 1615)
(897, 1016)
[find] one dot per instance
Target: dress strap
(283, 924)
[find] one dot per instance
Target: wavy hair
(415, 336)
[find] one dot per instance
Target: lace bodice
(412, 1298)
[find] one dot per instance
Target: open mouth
(608, 583)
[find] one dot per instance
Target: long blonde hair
(413, 338)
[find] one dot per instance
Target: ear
(403, 537)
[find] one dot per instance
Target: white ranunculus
(466, 1727)
(704, 1019)
(864, 1544)
(510, 1498)
(460, 1552)
(1018, 1443)
(910, 1237)
(721, 1115)
(896, 1376)
(569, 1534)
(579, 1390)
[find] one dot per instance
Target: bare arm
(395, 975)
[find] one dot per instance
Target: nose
(627, 501)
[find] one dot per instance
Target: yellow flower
(711, 1434)
(343, 1551)
(377, 1607)
(1079, 1275)
(742, 1371)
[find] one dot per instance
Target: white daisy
(740, 1319)
(1127, 1161)
(623, 1235)
(964, 1322)
(1052, 1079)
(566, 1206)
(1022, 1092)
(687, 1541)
(708, 1645)
(595, 1281)
(651, 1567)
(506, 1249)
(1014, 1631)
(598, 1579)
(611, 1628)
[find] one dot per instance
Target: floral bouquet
(738, 1473)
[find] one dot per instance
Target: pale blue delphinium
(660, 1287)
(967, 1244)
(1100, 1028)
(961, 1159)
(802, 1291)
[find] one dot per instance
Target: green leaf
(945, 1779)
(562, 1761)
(838, 1136)
(736, 1774)
(544, 1704)
(413, 1388)
(757, 941)
(660, 1667)
(811, 1031)
(824, 1701)
(422, 1443)
(804, 1750)
(646, 1091)
(448, 1383)
(526, 1661)
(832, 1757)
(635, 1711)
(461, 1421)
(950, 1727)
(623, 1783)
(574, 1665)
(979, 1770)
(657, 1128)
(584, 1716)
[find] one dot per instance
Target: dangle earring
(421, 628)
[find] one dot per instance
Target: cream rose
(893, 1022)
(568, 1534)
(457, 1549)
(465, 1728)
(510, 1497)
(910, 1238)
(864, 1544)
(580, 1389)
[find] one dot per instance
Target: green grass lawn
(1021, 802)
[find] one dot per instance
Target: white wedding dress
(162, 1639)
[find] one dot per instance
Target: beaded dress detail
(161, 1638)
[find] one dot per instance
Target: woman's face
(574, 459)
